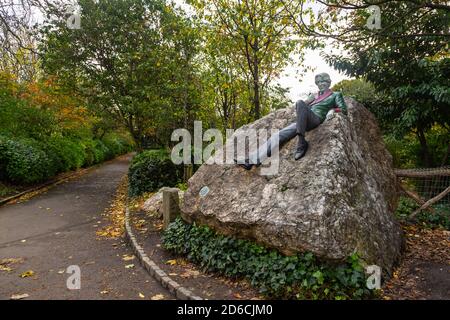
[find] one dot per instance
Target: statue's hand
(311, 98)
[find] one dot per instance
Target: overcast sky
(304, 83)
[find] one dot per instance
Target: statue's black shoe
(301, 151)
(246, 165)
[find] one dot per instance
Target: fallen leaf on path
(190, 273)
(141, 295)
(5, 264)
(237, 296)
(5, 268)
(129, 266)
(157, 297)
(27, 274)
(19, 296)
(127, 258)
(116, 214)
(171, 262)
(104, 292)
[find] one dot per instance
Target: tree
(347, 20)
(411, 72)
(130, 59)
(18, 53)
(257, 37)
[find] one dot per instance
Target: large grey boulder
(337, 200)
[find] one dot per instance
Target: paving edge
(152, 268)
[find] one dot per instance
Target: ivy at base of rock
(301, 276)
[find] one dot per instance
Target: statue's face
(323, 82)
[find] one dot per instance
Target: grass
(6, 190)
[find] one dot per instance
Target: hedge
(23, 162)
(27, 161)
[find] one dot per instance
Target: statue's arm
(340, 102)
(310, 99)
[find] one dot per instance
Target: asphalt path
(53, 235)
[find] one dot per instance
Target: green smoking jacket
(336, 100)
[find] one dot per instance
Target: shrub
(116, 145)
(100, 151)
(89, 151)
(23, 162)
(3, 157)
(151, 170)
(113, 146)
(440, 218)
(301, 276)
(406, 151)
(71, 153)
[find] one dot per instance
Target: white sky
(302, 84)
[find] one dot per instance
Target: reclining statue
(310, 114)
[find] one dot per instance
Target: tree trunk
(256, 90)
(138, 139)
(445, 158)
(425, 156)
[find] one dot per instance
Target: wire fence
(427, 186)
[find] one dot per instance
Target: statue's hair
(324, 76)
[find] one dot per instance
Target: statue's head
(323, 81)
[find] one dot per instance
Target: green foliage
(145, 81)
(300, 276)
(182, 186)
(405, 207)
(116, 144)
(6, 190)
(17, 118)
(403, 151)
(71, 153)
(247, 45)
(23, 162)
(90, 152)
(26, 161)
(358, 89)
(151, 170)
(406, 150)
(44, 131)
(101, 152)
(411, 73)
(440, 218)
